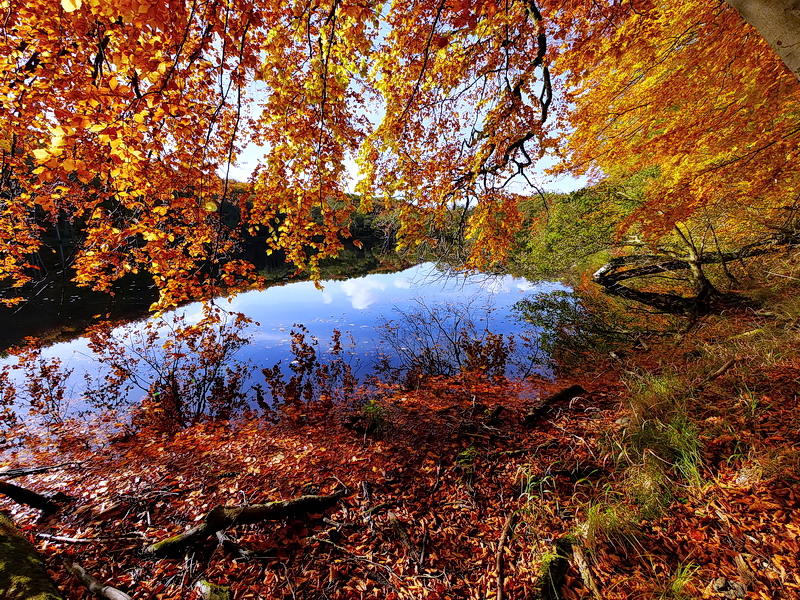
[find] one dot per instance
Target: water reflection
(356, 306)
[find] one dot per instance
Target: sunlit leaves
(122, 118)
(689, 89)
(71, 5)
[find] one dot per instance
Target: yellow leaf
(41, 154)
(71, 5)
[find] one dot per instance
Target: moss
(22, 572)
(212, 591)
(552, 568)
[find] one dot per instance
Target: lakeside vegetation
(657, 456)
(643, 482)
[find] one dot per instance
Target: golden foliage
(123, 117)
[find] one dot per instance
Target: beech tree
(778, 21)
(684, 89)
(124, 117)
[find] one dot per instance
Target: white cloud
(361, 292)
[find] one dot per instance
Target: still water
(359, 307)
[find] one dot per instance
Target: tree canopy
(124, 117)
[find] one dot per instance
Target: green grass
(611, 522)
(679, 581)
(375, 416)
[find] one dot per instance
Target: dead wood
(94, 540)
(22, 572)
(223, 517)
(521, 451)
(23, 471)
(30, 498)
(495, 414)
(579, 558)
(554, 569)
(501, 594)
(400, 531)
(212, 591)
(536, 412)
(240, 553)
(98, 588)
(378, 507)
(719, 372)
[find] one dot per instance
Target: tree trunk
(22, 572)
(222, 517)
(778, 22)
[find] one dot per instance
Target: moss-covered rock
(22, 572)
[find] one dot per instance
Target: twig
(71, 540)
(500, 547)
(719, 372)
(577, 437)
(355, 556)
(98, 588)
(521, 451)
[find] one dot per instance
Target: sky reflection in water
(354, 306)
(358, 306)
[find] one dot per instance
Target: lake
(382, 314)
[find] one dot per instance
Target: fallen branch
(98, 588)
(586, 573)
(357, 557)
(719, 372)
(71, 540)
(212, 591)
(521, 451)
(501, 594)
(23, 471)
(240, 553)
(378, 507)
(223, 517)
(30, 498)
(495, 414)
(400, 532)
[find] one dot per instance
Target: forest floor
(675, 474)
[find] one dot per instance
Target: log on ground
(28, 497)
(223, 517)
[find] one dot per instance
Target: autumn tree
(686, 90)
(123, 118)
(778, 21)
